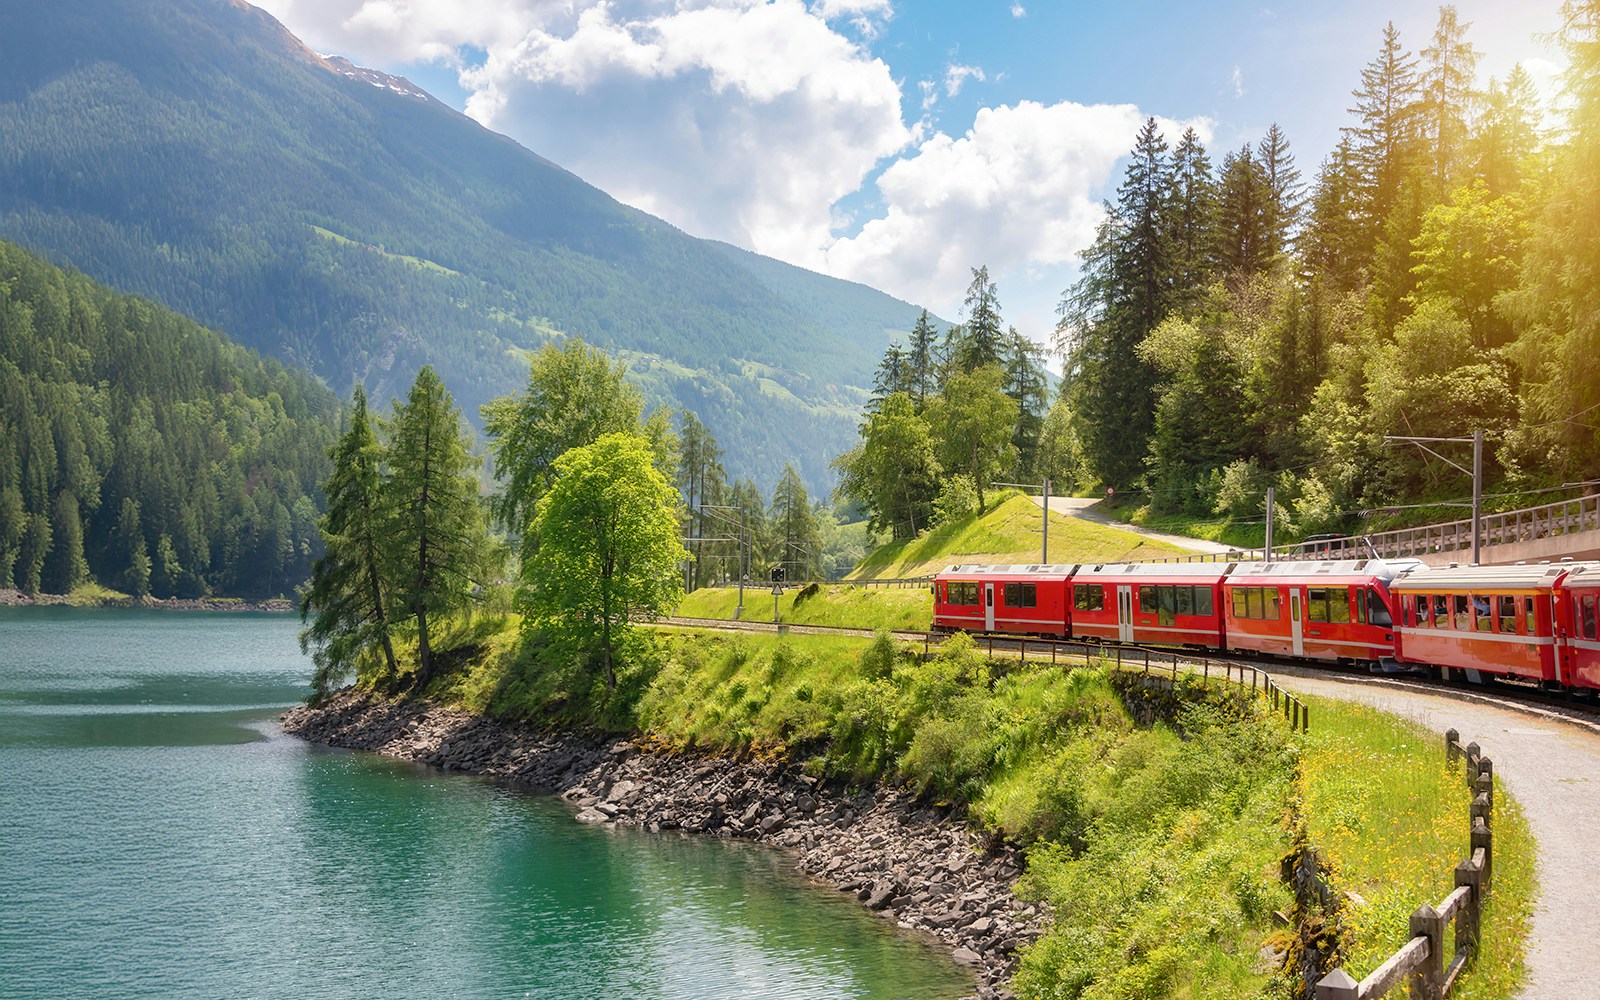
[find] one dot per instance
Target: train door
(1296, 627)
(988, 607)
(1125, 613)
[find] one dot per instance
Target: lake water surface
(160, 837)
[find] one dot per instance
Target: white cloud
(1238, 82)
(1019, 192)
(955, 75)
(1017, 10)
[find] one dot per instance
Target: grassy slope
(853, 607)
(1009, 533)
(1365, 779)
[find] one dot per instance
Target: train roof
(1200, 570)
(1014, 569)
(1522, 575)
(1316, 569)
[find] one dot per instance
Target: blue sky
(895, 143)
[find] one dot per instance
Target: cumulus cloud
(1017, 10)
(1019, 192)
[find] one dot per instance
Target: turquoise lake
(160, 837)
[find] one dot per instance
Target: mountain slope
(195, 152)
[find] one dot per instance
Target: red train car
(1173, 604)
(1578, 656)
(1316, 610)
(1030, 600)
(1504, 620)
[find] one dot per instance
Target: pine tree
(794, 526)
(1507, 132)
(1335, 243)
(922, 375)
(1284, 198)
(1448, 71)
(349, 593)
(982, 337)
(436, 530)
(1243, 216)
(1026, 385)
(1384, 144)
(1194, 217)
(136, 575)
(893, 375)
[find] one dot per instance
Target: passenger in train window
(1480, 613)
(1463, 617)
(1424, 606)
(1441, 611)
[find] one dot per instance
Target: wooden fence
(1422, 959)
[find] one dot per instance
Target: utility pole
(1044, 531)
(1476, 472)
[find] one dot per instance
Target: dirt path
(1551, 763)
(1084, 507)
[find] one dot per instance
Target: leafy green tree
(610, 550)
(575, 394)
(1468, 253)
(892, 474)
(347, 603)
(436, 545)
(973, 420)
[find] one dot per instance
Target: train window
(1361, 606)
(1587, 617)
(1482, 620)
(1378, 612)
(1339, 605)
(1148, 601)
(1269, 597)
(1240, 608)
(1508, 613)
(1463, 616)
(1252, 602)
(1441, 611)
(1202, 601)
(1317, 604)
(988, 596)
(962, 592)
(1088, 597)
(1185, 600)
(1528, 603)
(1022, 595)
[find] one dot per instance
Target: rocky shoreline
(920, 866)
(10, 598)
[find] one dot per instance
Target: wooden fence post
(1472, 763)
(1452, 745)
(1337, 985)
(1427, 982)
(1467, 874)
(1483, 837)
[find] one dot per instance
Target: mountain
(343, 220)
(149, 452)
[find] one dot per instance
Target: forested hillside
(145, 451)
(195, 152)
(1236, 327)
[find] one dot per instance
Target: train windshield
(1377, 610)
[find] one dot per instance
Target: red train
(1539, 623)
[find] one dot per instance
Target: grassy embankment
(1007, 533)
(1391, 820)
(1158, 846)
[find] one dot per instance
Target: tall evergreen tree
(1506, 133)
(346, 608)
(136, 577)
(982, 338)
(794, 526)
(1335, 244)
(702, 481)
(922, 366)
(1243, 216)
(1124, 292)
(1026, 384)
(893, 375)
(1449, 68)
(1383, 144)
(436, 529)
(1285, 199)
(1194, 217)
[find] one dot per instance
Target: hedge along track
(1166, 661)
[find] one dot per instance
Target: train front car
(1169, 604)
(1579, 602)
(1332, 611)
(1028, 600)
(1498, 620)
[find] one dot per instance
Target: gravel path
(1551, 763)
(1084, 507)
